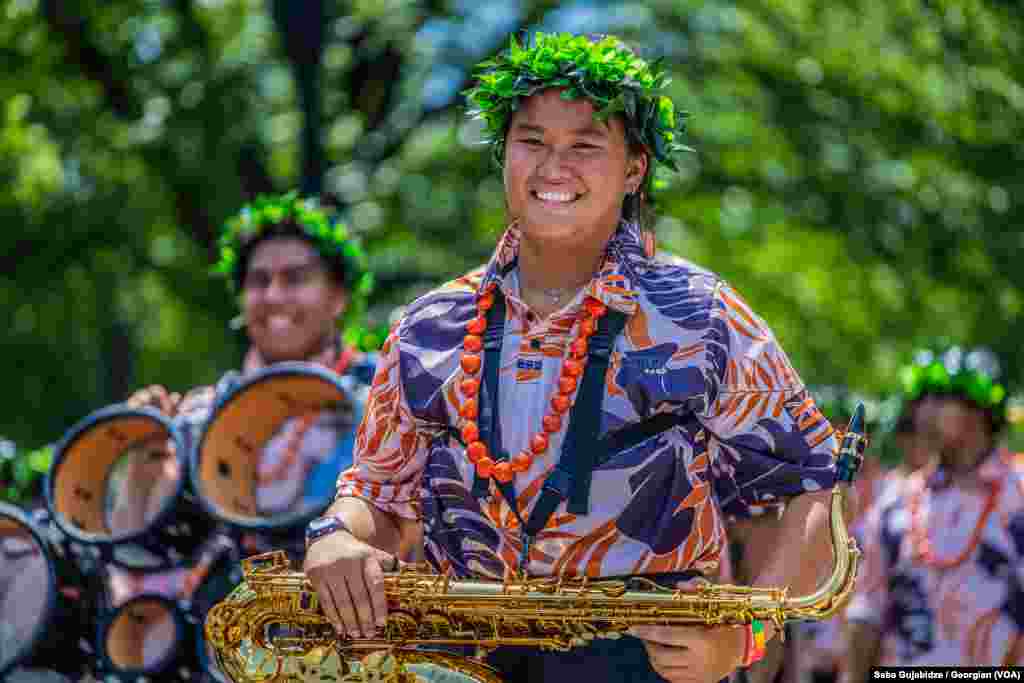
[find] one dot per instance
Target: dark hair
(290, 230)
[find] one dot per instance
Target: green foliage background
(856, 174)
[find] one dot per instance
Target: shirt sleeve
(391, 443)
(766, 437)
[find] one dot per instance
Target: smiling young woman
(566, 177)
(495, 389)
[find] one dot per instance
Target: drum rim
(77, 431)
(180, 650)
(284, 368)
(50, 606)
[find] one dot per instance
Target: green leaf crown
(604, 70)
(969, 374)
(290, 214)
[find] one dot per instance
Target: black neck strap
(487, 400)
(581, 448)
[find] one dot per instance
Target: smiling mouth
(278, 321)
(556, 197)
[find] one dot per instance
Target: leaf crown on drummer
(290, 215)
(971, 374)
(603, 69)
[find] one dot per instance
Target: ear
(636, 169)
(340, 302)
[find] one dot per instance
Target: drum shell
(180, 662)
(76, 489)
(62, 638)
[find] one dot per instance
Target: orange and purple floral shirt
(747, 434)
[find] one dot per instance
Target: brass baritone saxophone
(271, 628)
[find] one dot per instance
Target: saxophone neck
(849, 460)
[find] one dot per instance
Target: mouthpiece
(851, 451)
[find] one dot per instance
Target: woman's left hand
(692, 654)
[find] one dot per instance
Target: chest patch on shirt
(529, 369)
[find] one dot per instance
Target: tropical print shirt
(970, 614)
(748, 432)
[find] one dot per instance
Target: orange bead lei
(572, 370)
(918, 532)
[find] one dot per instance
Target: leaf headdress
(292, 215)
(970, 374)
(604, 70)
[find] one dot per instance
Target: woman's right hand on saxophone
(348, 575)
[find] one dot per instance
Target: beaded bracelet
(756, 644)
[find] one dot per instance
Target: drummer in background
(302, 284)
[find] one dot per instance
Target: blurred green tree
(856, 173)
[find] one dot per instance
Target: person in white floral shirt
(943, 575)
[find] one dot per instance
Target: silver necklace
(555, 294)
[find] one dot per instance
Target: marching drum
(147, 637)
(118, 484)
(246, 470)
(48, 604)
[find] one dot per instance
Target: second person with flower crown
(302, 283)
(493, 390)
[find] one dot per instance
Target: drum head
(144, 636)
(28, 587)
(251, 471)
(115, 475)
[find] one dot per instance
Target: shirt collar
(614, 283)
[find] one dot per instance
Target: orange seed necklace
(572, 367)
(918, 532)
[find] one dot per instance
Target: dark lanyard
(581, 448)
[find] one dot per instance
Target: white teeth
(556, 196)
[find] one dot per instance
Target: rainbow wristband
(756, 643)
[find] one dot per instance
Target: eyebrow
(591, 129)
(290, 268)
